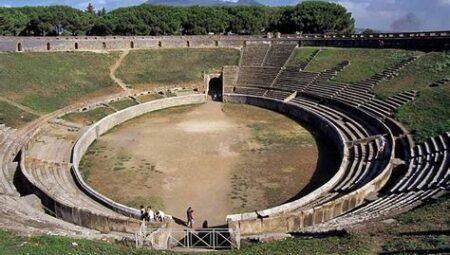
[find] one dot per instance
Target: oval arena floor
(217, 158)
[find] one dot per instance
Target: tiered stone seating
(250, 91)
(254, 54)
(331, 73)
(279, 54)
(363, 164)
(385, 108)
(442, 82)
(325, 88)
(17, 215)
(292, 79)
(428, 166)
(51, 149)
(278, 94)
(8, 148)
(428, 175)
(56, 181)
(401, 99)
(390, 72)
(257, 76)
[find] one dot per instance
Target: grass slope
(123, 104)
(363, 62)
(88, 117)
(429, 115)
(49, 81)
(301, 55)
(144, 68)
(13, 116)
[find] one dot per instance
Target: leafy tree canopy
(307, 17)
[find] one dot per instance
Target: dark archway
(19, 47)
(132, 45)
(76, 46)
(104, 45)
(215, 89)
(48, 46)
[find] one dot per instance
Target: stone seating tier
(278, 54)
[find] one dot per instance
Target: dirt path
(22, 107)
(203, 156)
(116, 66)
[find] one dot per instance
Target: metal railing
(169, 238)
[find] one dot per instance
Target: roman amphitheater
(340, 157)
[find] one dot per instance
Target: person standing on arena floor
(143, 213)
(190, 217)
(150, 214)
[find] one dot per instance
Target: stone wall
(105, 124)
(419, 40)
(287, 218)
(229, 78)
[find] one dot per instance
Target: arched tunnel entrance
(215, 89)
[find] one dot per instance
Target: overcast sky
(385, 15)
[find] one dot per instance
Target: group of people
(150, 216)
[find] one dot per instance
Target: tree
(90, 9)
(315, 17)
(368, 31)
(102, 12)
(308, 17)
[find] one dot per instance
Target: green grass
(123, 104)
(13, 116)
(49, 245)
(419, 75)
(301, 55)
(430, 114)
(423, 220)
(144, 68)
(88, 117)
(46, 82)
(149, 97)
(267, 135)
(363, 62)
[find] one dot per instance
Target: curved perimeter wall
(414, 40)
(284, 218)
(107, 123)
(327, 128)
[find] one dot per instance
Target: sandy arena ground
(219, 159)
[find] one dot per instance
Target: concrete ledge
(103, 126)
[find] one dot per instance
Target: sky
(382, 15)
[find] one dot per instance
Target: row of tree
(307, 17)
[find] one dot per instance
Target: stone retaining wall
(419, 40)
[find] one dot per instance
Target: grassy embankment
(46, 82)
(146, 69)
(429, 115)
